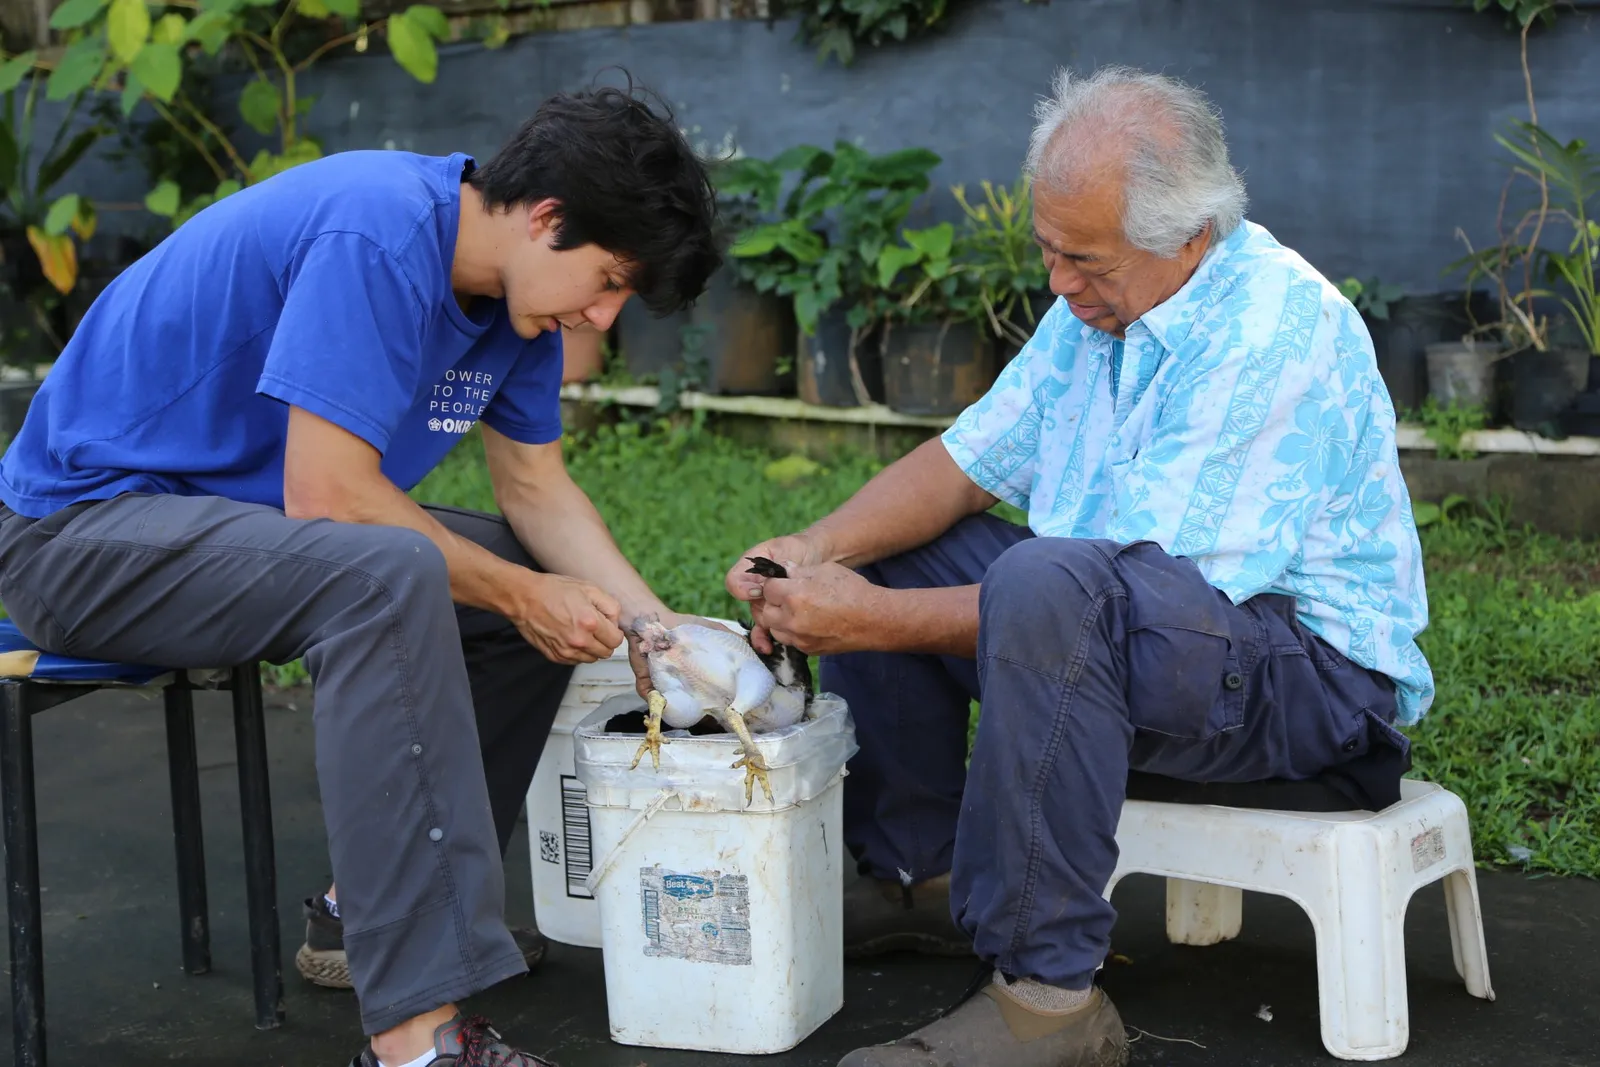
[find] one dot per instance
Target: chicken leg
(652, 731)
(753, 762)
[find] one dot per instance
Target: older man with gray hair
(1219, 582)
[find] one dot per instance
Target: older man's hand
(802, 549)
(821, 609)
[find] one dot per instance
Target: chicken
(698, 670)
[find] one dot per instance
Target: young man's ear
(544, 218)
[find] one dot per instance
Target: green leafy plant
(780, 247)
(838, 27)
(1515, 260)
(942, 286)
(1371, 297)
(1519, 13)
(143, 50)
(984, 273)
(819, 243)
(1005, 256)
(1446, 426)
(1570, 175)
(1426, 513)
(49, 222)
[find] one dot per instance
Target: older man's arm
(824, 607)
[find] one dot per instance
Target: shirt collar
(1170, 321)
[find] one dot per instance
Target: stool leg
(1363, 1002)
(1202, 914)
(183, 765)
(22, 877)
(1466, 931)
(261, 882)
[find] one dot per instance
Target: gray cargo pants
(429, 717)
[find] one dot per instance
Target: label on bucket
(702, 917)
(575, 832)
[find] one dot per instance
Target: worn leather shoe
(993, 1029)
(884, 917)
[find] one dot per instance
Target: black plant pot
(742, 336)
(1543, 387)
(650, 344)
(935, 368)
(1414, 323)
(839, 365)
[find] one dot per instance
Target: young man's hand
(568, 620)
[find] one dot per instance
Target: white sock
(421, 1061)
(333, 909)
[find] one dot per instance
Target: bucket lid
(811, 752)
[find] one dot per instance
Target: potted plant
(744, 324)
(1546, 375)
(1403, 325)
(1013, 284)
(821, 251)
(938, 354)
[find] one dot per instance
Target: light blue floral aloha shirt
(1242, 424)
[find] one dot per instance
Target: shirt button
(1350, 745)
(435, 834)
(1232, 680)
(416, 750)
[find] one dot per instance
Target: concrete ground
(116, 994)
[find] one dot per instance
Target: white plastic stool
(1353, 872)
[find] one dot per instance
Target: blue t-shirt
(326, 287)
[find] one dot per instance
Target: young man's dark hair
(627, 180)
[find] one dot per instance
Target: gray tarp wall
(1363, 127)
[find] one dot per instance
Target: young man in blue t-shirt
(216, 471)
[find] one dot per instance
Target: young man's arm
(331, 473)
(558, 524)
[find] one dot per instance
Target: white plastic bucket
(722, 926)
(558, 820)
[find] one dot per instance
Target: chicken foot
(754, 764)
(652, 732)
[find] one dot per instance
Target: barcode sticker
(575, 836)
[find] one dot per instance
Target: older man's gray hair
(1165, 135)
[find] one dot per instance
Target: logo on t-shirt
(463, 392)
(450, 425)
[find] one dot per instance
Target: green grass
(1514, 639)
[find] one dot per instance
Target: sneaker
(887, 917)
(321, 960)
(466, 1042)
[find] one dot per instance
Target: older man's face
(1108, 283)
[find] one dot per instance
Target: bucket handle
(603, 868)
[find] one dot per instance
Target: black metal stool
(32, 682)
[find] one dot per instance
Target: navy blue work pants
(1094, 659)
